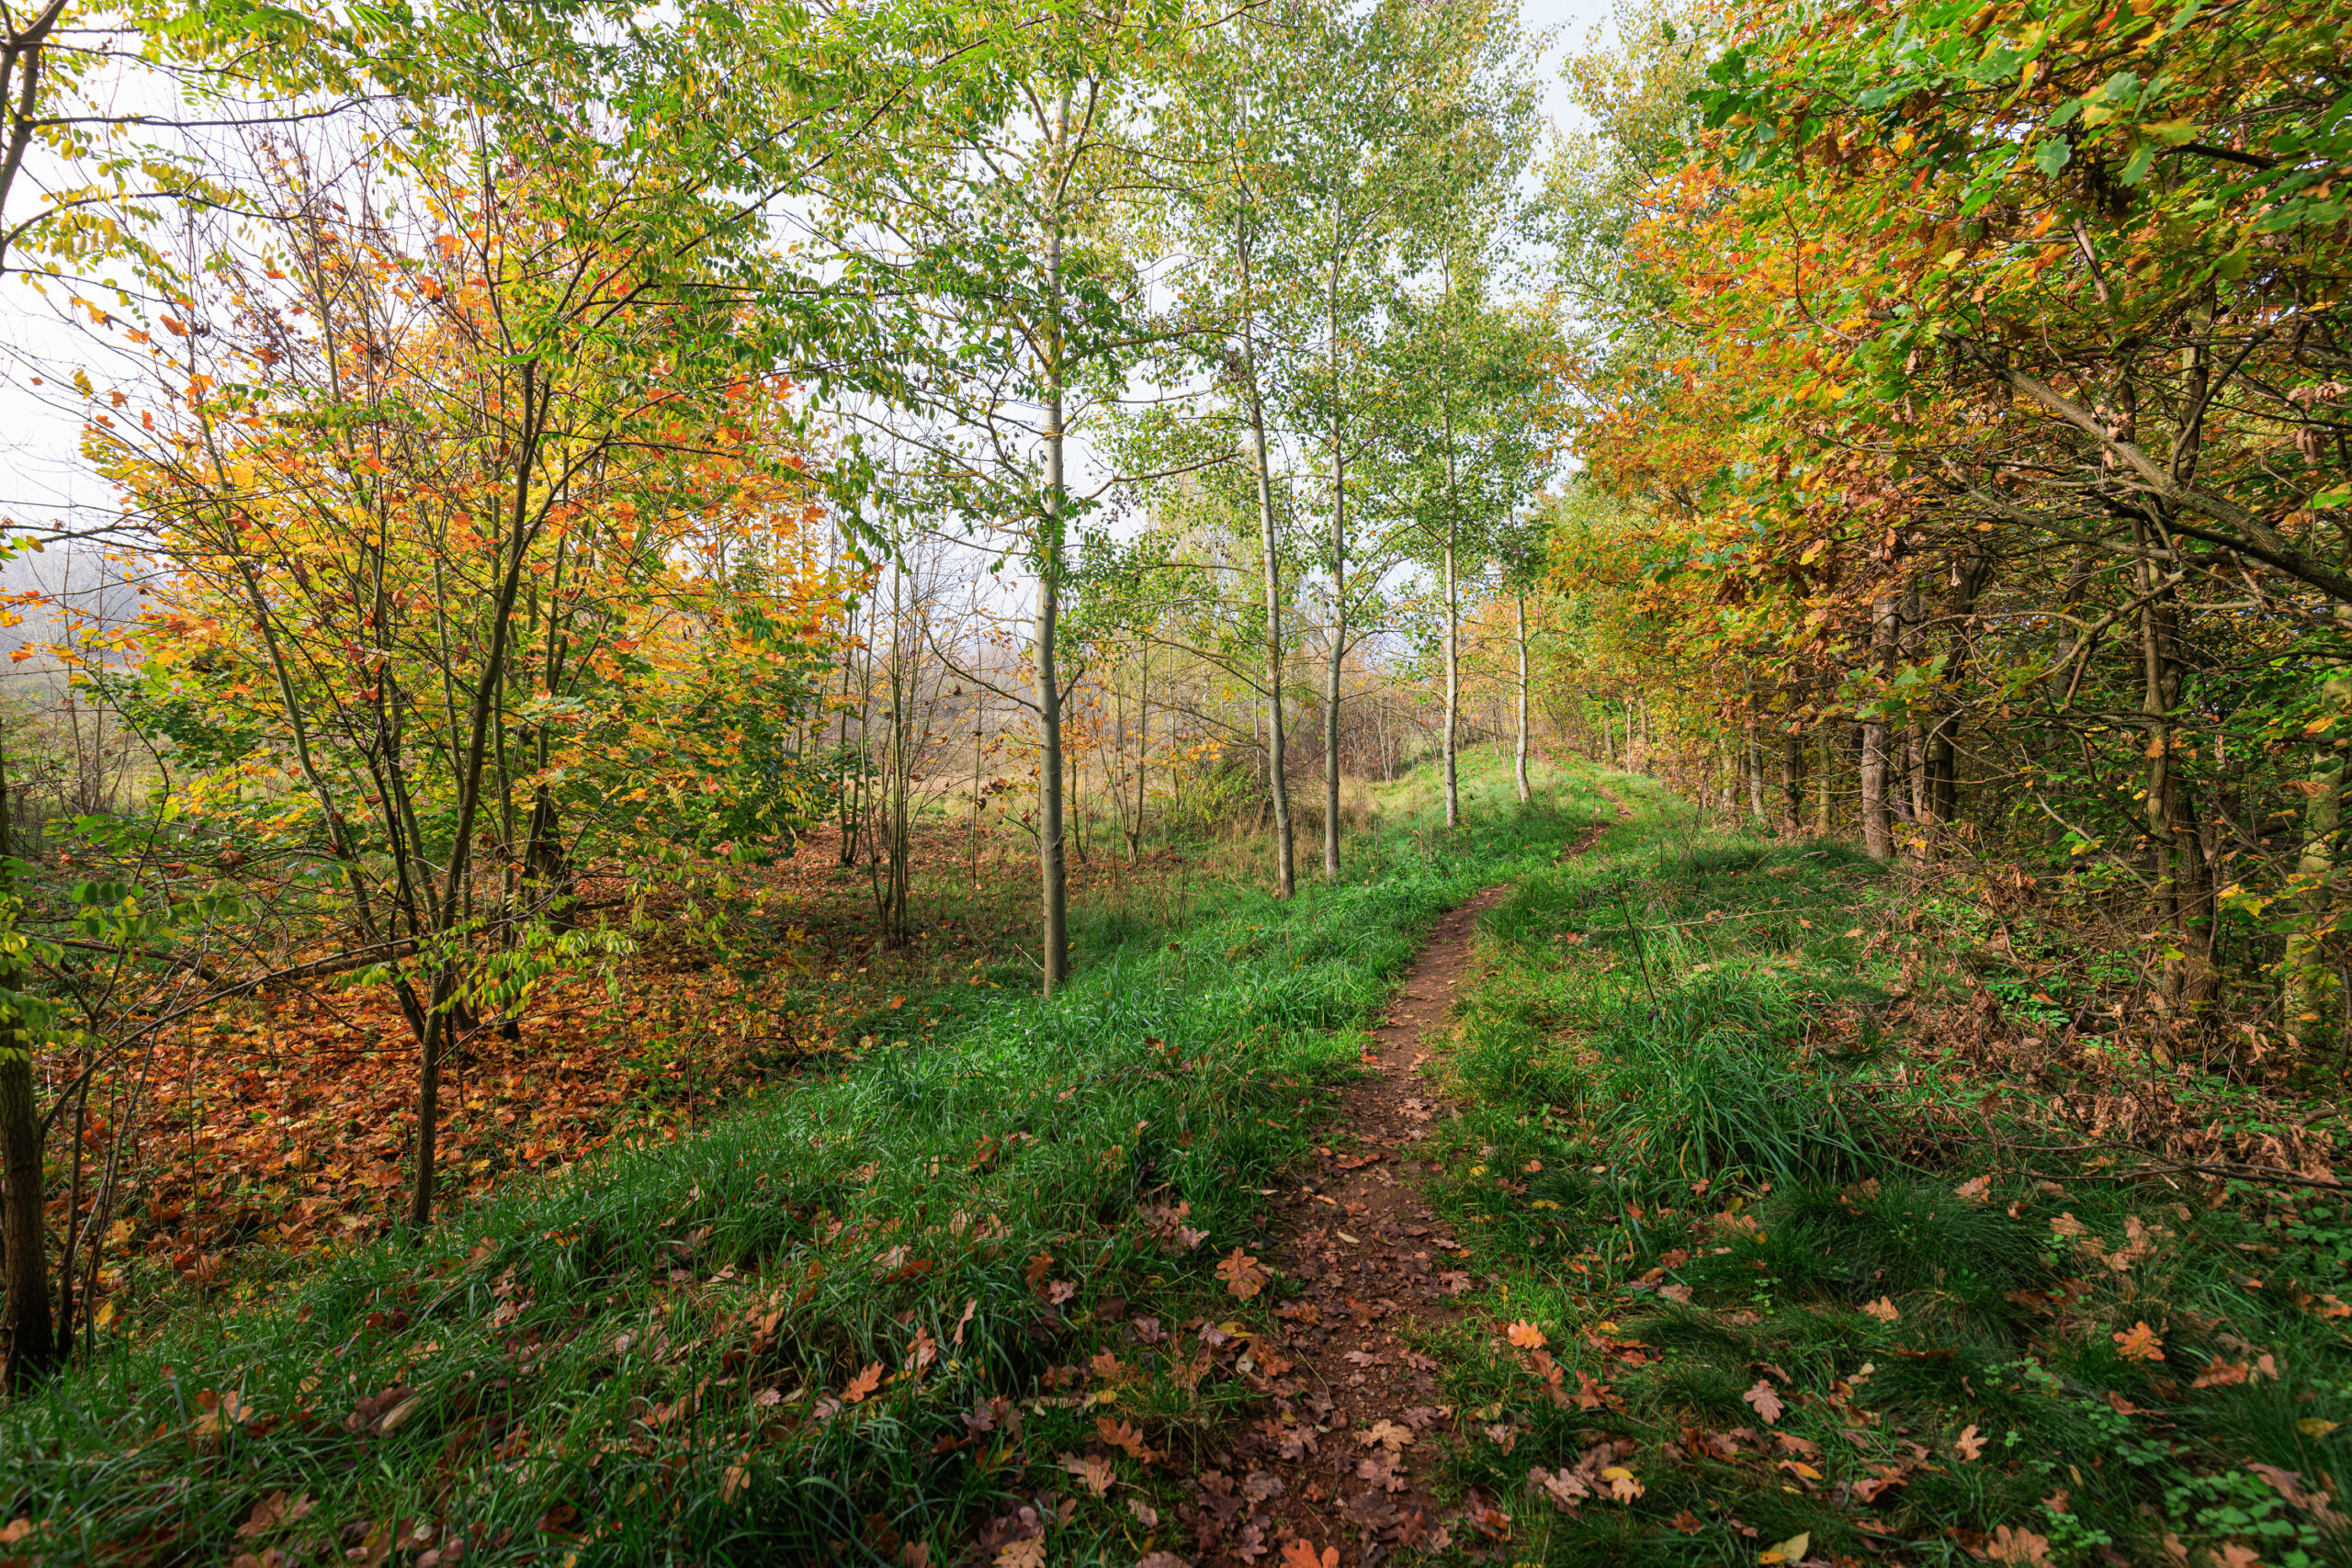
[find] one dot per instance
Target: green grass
(1681, 1033)
(651, 1357)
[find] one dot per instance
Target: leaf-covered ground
(278, 1126)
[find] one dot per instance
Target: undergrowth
(853, 1322)
(1800, 1288)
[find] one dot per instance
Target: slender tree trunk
(1825, 782)
(1334, 666)
(1452, 672)
(1143, 753)
(1878, 829)
(1519, 756)
(34, 1345)
(1792, 783)
(2311, 994)
(1270, 564)
(1052, 871)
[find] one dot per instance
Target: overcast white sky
(44, 480)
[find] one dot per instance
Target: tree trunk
(1878, 828)
(1270, 564)
(1825, 782)
(2311, 994)
(1520, 755)
(33, 1350)
(1334, 668)
(1792, 783)
(1052, 873)
(1143, 750)
(1453, 673)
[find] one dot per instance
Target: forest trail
(1376, 1269)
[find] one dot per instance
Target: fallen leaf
(863, 1385)
(2018, 1546)
(1123, 1435)
(1241, 1274)
(1385, 1433)
(1765, 1400)
(2139, 1343)
(1093, 1471)
(1969, 1445)
(1883, 1309)
(1300, 1553)
(1792, 1550)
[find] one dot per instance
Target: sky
(43, 479)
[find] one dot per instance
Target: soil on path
(1343, 1463)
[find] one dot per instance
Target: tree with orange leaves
(484, 562)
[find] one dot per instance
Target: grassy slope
(655, 1356)
(1733, 1041)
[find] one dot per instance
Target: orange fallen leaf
(1241, 1274)
(862, 1386)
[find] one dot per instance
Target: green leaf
(2053, 155)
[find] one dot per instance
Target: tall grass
(1688, 1129)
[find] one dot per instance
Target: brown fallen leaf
(862, 1386)
(1969, 1445)
(1241, 1274)
(1765, 1401)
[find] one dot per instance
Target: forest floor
(280, 1123)
(1567, 1191)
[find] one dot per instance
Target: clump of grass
(1713, 1219)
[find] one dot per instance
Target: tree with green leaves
(990, 213)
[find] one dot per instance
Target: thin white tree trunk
(1268, 540)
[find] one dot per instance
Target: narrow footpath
(1374, 1260)
(1344, 1462)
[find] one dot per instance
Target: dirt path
(1341, 1463)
